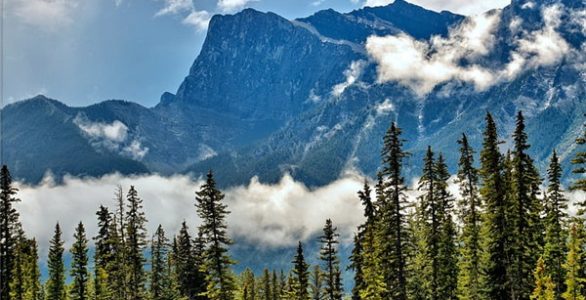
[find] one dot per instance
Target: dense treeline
(509, 234)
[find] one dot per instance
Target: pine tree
(8, 230)
(276, 294)
(56, 282)
(160, 287)
(494, 259)
(116, 272)
(447, 251)
(104, 255)
(374, 286)
(248, 285)
(544, 286)
(316, 287)
(79, 265)
(265, 286)
(580, 162)
(392, 229)
(212, 212)
(524, 218)
(188, 273)
(574, 281)
(300, 275)
(428, 223)
(357, 251)
(329, 257)
(555, 220)
(136, 243)
(469, 284)
(199, 252)
(18, 282)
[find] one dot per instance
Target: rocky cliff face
(268, 95)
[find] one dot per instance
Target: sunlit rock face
(313, 97)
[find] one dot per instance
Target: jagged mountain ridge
(258, 101)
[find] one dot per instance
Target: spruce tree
(470, 208)
(494, 230)
(276, 294)
(555, 220)
(544, 286)
(357, 252)
(8, 230)
(574, 280)
(374, 284)
(136, 243)
(160, 288)
(188, 272)
(300, 275)
(392, 231)
(330, 260)
(18, 282)
(56, 282)
(317, 281)
(79, 265)
(447, 251)
(580, 165)
(524, 218)
(428, 223)
(248, 285)
(104, 254)
(265, 285)
(212, 211)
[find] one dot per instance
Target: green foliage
(300, 276)
(217, 262)
(136, 243)
(544, 286)
(470, 211)
(494, 228)
(574, 280)
(79, 265)
(331, 262)
(56, 282)
(9, 225)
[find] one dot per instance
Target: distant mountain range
(268, 95)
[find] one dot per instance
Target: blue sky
(85, 51)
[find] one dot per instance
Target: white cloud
(542, 47)
(113, 136)
(466, 7)
(422, 65)
(185, 8)
(375, 3)
(175, 7)
(385, 107)
(352, 75)
(115, 132)
(47, 15)
(200, 19)
(269, 215)
(232, 5)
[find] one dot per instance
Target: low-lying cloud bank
(267, 215)
(264, 214)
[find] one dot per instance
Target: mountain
(267, 95)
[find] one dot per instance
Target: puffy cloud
(422, 65)
(115, 132)
(352, 75)
(385, 107)
(45, 14)
(466, 7)
(111, 136)
(175, 6)
(191, 16)
(232, 5)
(199, 19)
